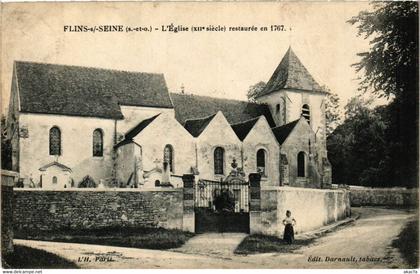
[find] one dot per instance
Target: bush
(408, 243)
(87, 182)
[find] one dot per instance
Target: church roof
(291, 74)
(196, 126)
(140, 126)
(86, 91)
(283, 131)
(242, 129)
(189, 107)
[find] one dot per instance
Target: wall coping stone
(302, 189)
(9, 173)
(352, 187)
(101, 190)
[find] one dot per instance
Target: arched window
(168, 157)
(261, 162)
(55, 141)
(301, 164)
(54, 180)
(306, 113)
(277, 108)
(98, 143)
(219, 160)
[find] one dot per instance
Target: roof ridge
(202, 118)
(133, 129)
(247, 121)
(88, 67)
(217, 98)
(294, 121)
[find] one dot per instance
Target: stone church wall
(298, 141)
(76, 145)
(217, 134)
(315, 102)
(261, 137)
(165, 130)
(91, 208)
(320, 208)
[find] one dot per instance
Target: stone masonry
(49, 210)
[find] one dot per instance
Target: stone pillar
(8, 179)
(255, 203)
(188, 219)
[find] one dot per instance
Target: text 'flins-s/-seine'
(172, 28)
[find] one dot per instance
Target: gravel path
(363, 244)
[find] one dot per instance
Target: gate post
(188, 218)
(255, 203)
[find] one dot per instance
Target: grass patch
(27, 257)
(150, 238)
(408, 243)
(257, 243)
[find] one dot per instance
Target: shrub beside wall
(92, 208)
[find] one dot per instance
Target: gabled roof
(86, 91)
(291, 74)
(140, 126)
(57, 164)
(196, 126)
(242, 129)
(189, 107)
(283, 131)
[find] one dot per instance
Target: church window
(306, 113)
(98, 143)
(55, 141)
(301, 164)
(219, 155)
(168, 156)
(54, 180)
(277, 108)
(261, 155)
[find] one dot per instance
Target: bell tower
(292, 92)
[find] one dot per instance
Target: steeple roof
(291, 74)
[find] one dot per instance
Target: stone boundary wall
(93, 208)
(398, 197)
(8, 179)
(311, 208)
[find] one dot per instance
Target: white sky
(215, 64)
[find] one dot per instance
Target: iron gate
(222, 206)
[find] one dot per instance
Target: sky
(218, 64)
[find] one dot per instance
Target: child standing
(289, 222)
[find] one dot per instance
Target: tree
(6, 147)
(255, 90)
(357, 149)
(390, 69)
(332, 111)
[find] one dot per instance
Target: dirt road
(363, 244)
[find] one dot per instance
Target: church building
(125, 129)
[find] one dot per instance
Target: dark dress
(289, 234)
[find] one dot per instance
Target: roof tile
(291, 74)
(85, 91)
